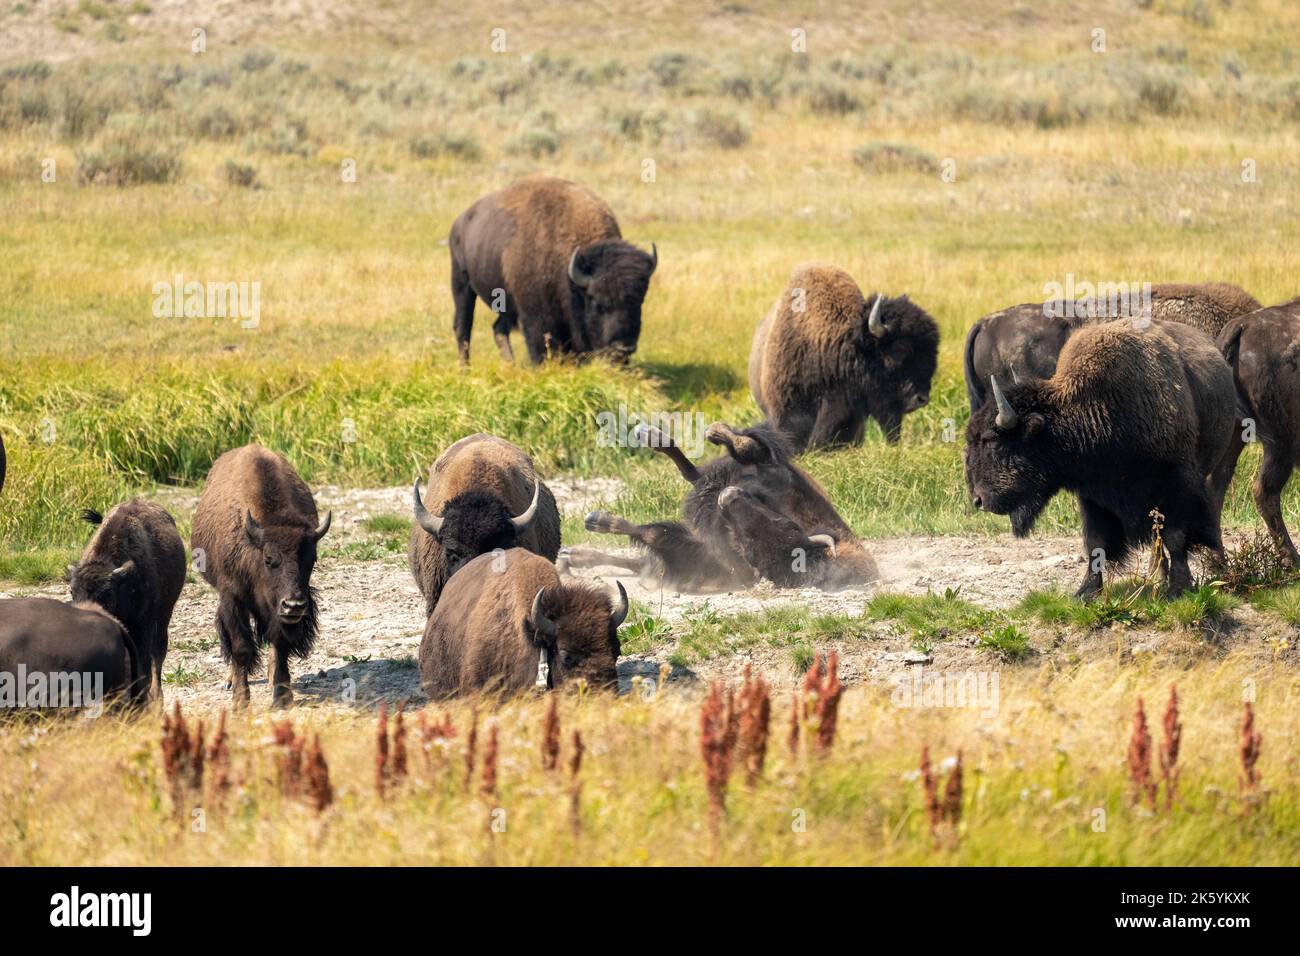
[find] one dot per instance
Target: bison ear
(252, 529)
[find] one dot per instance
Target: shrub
(238, 174)
(459, 145)
(128, 157)
(894, 158)
(721, 129)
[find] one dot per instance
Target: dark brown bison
(1263, 350)
(64, 655)
(483, 496)
(134, 568)
(826, 358)
(506, 623)
(254, 540)
(750, 512)
(1023, 342)
(547, 257)
(1133, 420)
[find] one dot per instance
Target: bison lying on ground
(749, 512)
(1263, 350)
(78, 650)
(134, 568)
(546, 256)
(1132, 420)
(483, 495)
(507, 623)
(1023, 342)
(254, 540)
(826, 358)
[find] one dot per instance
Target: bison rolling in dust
(547, 257)
(134, 568)
(826, 358)
(1132, 420)
(254, 537)
(1023, 342)
(507, 623)
(483, 496)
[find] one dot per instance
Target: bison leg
(591, 558)
(891, 423)
(534, 339)
(462, 295)
(238, 647)
(837, 424)
(282, 694)
(501, 334)
(746, 449)
(1274, 472)
(651, 437)
(1178, 576)
(1218, 480)
(1103, 540)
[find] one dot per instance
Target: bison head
(288, 556)
(1009, 456)
(114, 587)
(608, 282)
(773, 544)
(473, 523)
(899, 342)
(577, 628)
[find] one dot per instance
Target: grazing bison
(1131, 421)
(254, 539)
(134, 568)
(826, 358)
(547, 257)
(507, 623)
(483, 496)
(1022, 342)
(60, 655)
(749, 512)
(1263, 350)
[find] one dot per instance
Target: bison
(507, 623)
(826, 358)
(134, 568)
(547, 257)
(1133, 420)
(65, 655)
(1023, 342)
(1263, 350)
(254, 539)
(483, 495)
(750, 512)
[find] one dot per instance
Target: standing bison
(254, 539)
(1023, 342)
(134, 568)
(1133, 420)
(507, 623)
(483, 495)
(1263, 350)
(826, 358)
(751, 512)
(547, 257)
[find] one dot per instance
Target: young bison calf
(507, 623)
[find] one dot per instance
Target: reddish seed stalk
(1169, 747)
(755, 706)
(942, 811)
(1139, 757)
(489, 783)
(399, 744)
(1251, 740)
(718, 730)
(551, 736)
(320, 794)
(471, 746)
(575, 785)
(381, 752)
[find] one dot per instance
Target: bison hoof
(728, 495)
(593, 521)
(282, 701)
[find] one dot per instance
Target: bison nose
(922, 400)
(292, 609)
(977, 502)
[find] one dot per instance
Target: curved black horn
(654, 258)
(522, 522)
(324, 525)
(580, 278)
(430, 523)
(1007, 417)
(541, 622)
(620, 612)
(874, 325)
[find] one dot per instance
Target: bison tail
(91, 516)
(974, 389)
(1230, 345)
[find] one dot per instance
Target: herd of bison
(1134, 411)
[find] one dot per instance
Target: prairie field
(968, 155)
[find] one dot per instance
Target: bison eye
(272, 561)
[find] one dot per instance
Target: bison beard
(1133, 420)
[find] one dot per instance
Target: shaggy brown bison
(254, 540)
(507, 623)
(749, 512)
(1023, 342)
(546, 256)
(483, 496)
(65, 655)
(826, 358)
(1263, 350)
(1133, 420)
(134, 568)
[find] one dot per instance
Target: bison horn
(579, 278)
(541, 622)
(430, 523)
(122, 569)
(654, 258)
(1007, 416)
(253, 529)
(620, 612)
(825, 540)
(324, 525)
(522, 522)
(874, 325)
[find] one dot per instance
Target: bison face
(900, 342)
(577, 629)
(608, 281)
(1008, 458)
(288, 557)
(474, 523)
(115, 588)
